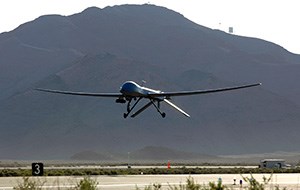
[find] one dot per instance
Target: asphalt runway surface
(130, 182)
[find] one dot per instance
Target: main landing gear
(163, 114)
(152, 102)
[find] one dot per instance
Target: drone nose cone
(129, 88)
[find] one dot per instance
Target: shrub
(87, 184)
(254, 184)
(29, 184)
(155, 186)
(191, 185)
(218, 186)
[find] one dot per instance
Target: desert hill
(98, 49)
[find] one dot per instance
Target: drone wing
(166, 95)
(81, 93)
(195, 92)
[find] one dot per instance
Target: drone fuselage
(132, 89)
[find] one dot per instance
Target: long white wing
(195, 92)
(81, 93)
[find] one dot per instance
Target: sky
(272, 20)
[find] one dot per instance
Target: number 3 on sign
(37, 169)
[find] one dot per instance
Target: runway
(130, 182)
(124, 167)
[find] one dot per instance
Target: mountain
(91, 155)
(98, 49)
(148, 154)
(153, 153)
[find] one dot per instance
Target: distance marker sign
(37, 169)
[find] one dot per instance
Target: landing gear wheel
(163, 115)
(125, 115)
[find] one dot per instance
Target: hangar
(272, 163)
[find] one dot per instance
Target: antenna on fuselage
(143, 82)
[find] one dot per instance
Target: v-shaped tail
(177, 108)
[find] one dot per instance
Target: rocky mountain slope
(98, 49)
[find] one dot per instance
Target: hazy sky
(272, 20)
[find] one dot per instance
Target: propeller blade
(177, 108)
